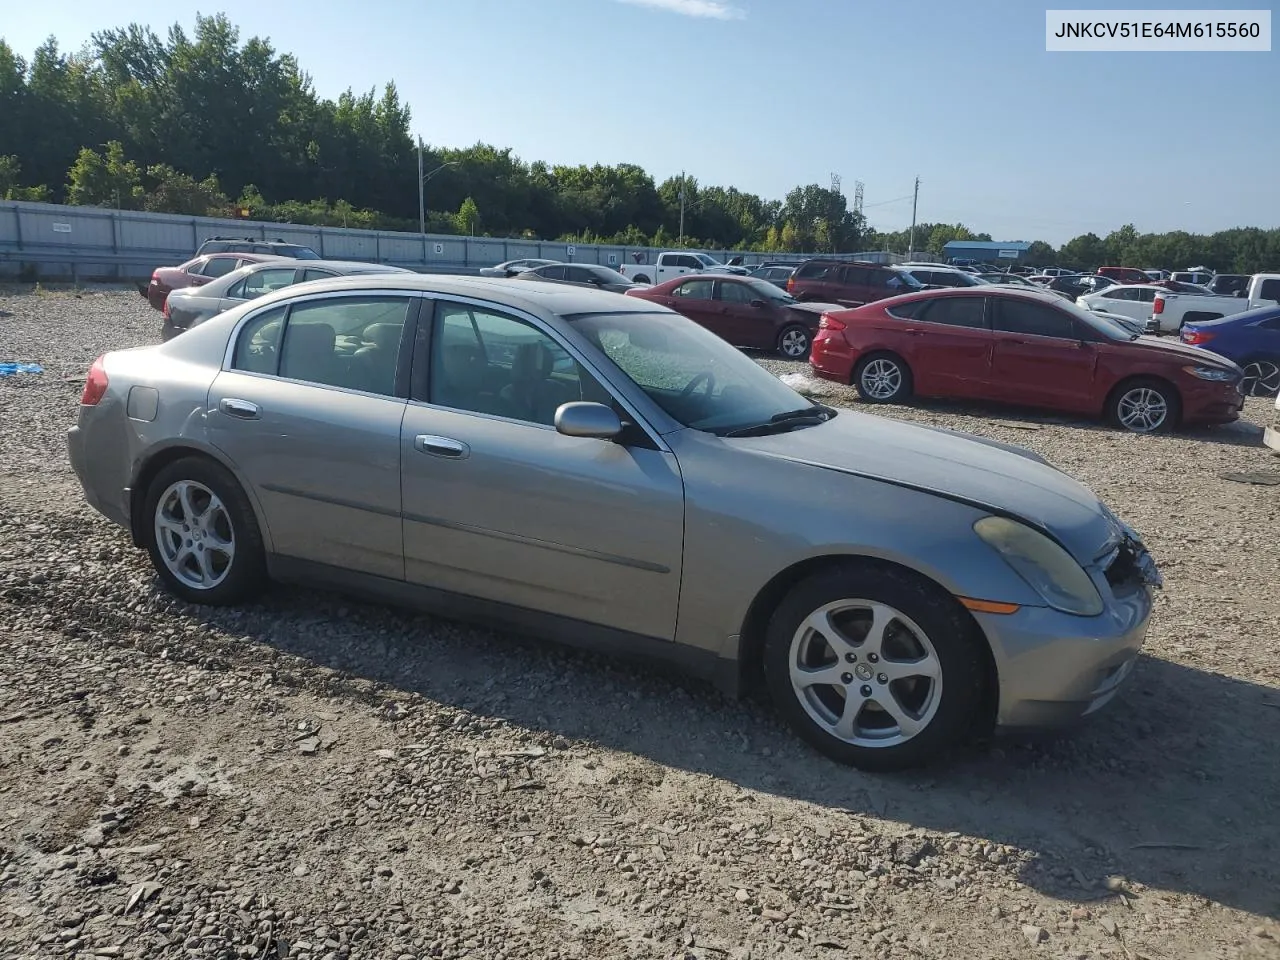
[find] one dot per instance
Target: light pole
(422, 183)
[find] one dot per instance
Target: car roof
(990, 290)
(559, 298)
(351, 266)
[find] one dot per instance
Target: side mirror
(589, 420)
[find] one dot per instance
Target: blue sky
(768, 94)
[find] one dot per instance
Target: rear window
(1270, 290)
(908, 310)
(813, 271)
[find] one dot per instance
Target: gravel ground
(314, 777)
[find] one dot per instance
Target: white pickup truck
(1171, 310)
(675, 264)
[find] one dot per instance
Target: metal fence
(61, 242)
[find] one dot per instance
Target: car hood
(985, 474)
(1174, 349)
(811, 306)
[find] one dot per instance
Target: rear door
(1042, 356)
(579, 276)
(950, 347)
(742, 324)
(695, 298)
(259, 283)
(309, 413)
(1267, 293)
(853, 287)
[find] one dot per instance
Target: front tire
(794, 342)
(202, 535)
(1144, 405)
(875, 666)
(882, 378)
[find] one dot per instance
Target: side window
(736, 292)
(578, 274)
(1121, 293)
(1147, 295)
(313, 274)
(259, 343)
(1021, 316)
(909, 310)
(694, 290)
(219, 266)
(485, 362)
(1270, 290)
(552, 273)
(813, 271)
(856, 276)
(263, 282)
(956, 312)
(260, 248)
(884, 280)
(351, 342)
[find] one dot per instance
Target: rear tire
(1261, 376)
(883, 378)
(1144, 405)
(202, 534)
(794, 342)
(875, 666)
(641, 278)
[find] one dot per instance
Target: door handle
(441, 447)
(240, 409)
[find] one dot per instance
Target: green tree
(468, 218)
(176, 192)
(1085, 252)
(96, 180)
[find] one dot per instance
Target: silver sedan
(600, 470)
(193, 305)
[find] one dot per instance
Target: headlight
(1211, 373)
(1046, 567)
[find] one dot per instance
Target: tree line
(207, 124)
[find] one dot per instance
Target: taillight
(165, 310)
(95, 385)
(791, 284)
(1196, 337)
(1158, 307)
(828, 322)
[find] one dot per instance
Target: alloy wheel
(795, 343)
(1261, 378)
(195, 534)
(882, 378)
(1142, 410)
(865, 673)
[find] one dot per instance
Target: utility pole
(422, 206)
(680, 242)
(911, 242)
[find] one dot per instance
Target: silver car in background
(191, 306)
(600, 470)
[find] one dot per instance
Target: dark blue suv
(1251, 339)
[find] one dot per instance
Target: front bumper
(1207, 401)
(1055, 668)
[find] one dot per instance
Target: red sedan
(1023, 347)
(745, 311)
(194, 273)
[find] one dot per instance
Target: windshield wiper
(779, 422)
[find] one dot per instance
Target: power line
(881, 203)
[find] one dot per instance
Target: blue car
(1251, 339)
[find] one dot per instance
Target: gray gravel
(314, 777)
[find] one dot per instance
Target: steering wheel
(706, 379)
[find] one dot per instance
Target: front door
(309, 412)
(499, 505)
(1042, 356)
(950, 347)
(259, 283)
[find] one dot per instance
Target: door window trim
(403, 359)
(420, 376)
